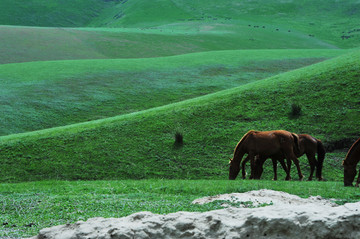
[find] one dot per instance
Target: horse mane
(349, 153)
(242, 140)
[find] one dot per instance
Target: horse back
(308, 144)
(269, 142)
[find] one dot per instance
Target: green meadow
(94, 93)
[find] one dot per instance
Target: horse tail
(320, 160)
(297, 144)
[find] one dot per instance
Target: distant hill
(142, 28)
(23, 44)
(54, 13)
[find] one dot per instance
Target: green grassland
(29, 207)
(41, 95)
(92, 91)
(141, 144)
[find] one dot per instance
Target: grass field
(93, 94)
(49, 203)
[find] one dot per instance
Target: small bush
(295, 111)
(179, 139)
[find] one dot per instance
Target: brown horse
(309, 146)
(266, 144)
(350, 162)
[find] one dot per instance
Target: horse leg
(289, 154)
(251, 156)
(243, 172)
(288, 176)
(313, 163)
(283, 165)
(296, 161)
(274, 161)
(259, 162)
(358, 180)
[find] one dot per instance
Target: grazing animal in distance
(266, 144)
(309, 146)
(351, 160)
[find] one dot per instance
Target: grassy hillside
(323, 19)
(333, 22)
(22, 44)
(58, 13)
(141, 145)
(42, 95)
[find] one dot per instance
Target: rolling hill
(23, 44)
(141, 144)
(71, 67)
(136, 29)
(40, 95)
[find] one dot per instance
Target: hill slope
(141, 145)
(327, 20)
(22, 44)
(59, 13)
(42, 95)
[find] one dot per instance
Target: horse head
(234, 170)
(349, 173)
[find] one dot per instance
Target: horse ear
(228, 164)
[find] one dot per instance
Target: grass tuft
(179, 141)
(295, 111)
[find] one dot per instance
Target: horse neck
(239, 149)
(238, 154)
(353, 156)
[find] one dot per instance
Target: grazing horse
(350, 162)
(266, 144)
(309, 146)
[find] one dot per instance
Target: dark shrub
(178, 139)
(295, 111)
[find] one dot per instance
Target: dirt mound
(288, 216)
